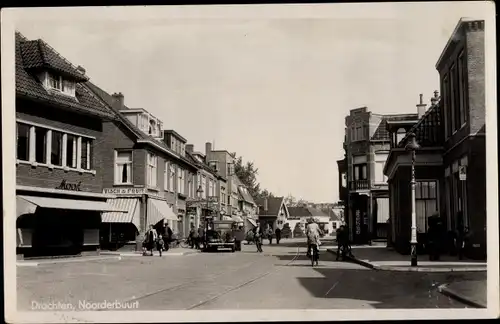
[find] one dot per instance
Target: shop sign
(69, 186)
(124, 191)
(462, 173)
(358, 222)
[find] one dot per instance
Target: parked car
(220, 237)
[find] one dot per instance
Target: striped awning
(131, 206)
(251, 221)
(159, 210)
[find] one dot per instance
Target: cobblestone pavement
(278, 278)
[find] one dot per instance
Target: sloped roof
(29, 86)
(427, 130)
(273, 206)
(381, 133)
(37, 54)
(316, 212)
(243, 192)
(306, 212)
(203, 166)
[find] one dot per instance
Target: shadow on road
(389, 289)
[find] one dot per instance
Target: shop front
(58, 222)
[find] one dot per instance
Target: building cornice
(64, 192)
(468, 24)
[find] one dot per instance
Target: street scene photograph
(324, 157)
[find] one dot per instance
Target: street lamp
(412, 146)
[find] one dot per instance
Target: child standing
(160, 244)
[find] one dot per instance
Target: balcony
(359, 185)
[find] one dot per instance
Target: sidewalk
(472, 293)
(171, 252)
(37, 262)
(380, 258)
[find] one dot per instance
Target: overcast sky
(272, 83)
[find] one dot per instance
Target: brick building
(452, 139)
(461, 70)
(366, 145)
(210, 187)
(428, 174)
(151, 177)
(59, 166)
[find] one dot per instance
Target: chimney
(189, 148)
(265, 204)
(118, 101)
(208, 148)
(80, 69)
(421, 107)
(435, 99)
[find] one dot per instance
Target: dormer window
(58, 83)
(152, 127)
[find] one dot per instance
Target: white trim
(64, 149)
(159, 147)
(23, 121)
(48, 148)
(64, 192)
(58, 167)
(32, 144)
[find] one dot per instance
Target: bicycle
(314, 255)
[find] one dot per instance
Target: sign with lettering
(70, 186)
(124, 191)
(358, 222)
(462, 173)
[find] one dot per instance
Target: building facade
(461, 69)
(151, 180)
(273, 212)
(428, 174)
(366, 145)
(59, 140)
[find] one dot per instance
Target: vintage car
(221, 236)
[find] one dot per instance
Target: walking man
(151, 239)
(257, 236)
(278, 235)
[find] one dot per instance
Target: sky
(272, 83)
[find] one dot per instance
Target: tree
(247, 173)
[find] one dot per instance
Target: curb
(443, 289)
(140, 254)
(410, 269)
(59, 260)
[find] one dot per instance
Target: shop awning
(237, 219)
(59, 203)
(253, 222)
(159, 210)
(132, 214)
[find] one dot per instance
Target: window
(23, 142)
(152, 127)
(152, 174)
(211, 191)
(191, 185)
(86, 149)
(426, 203)
(40, 145)
(360, 172)
(229, 200)
(379, 172)
(462, 75)
(447, 106)
(180, 181)
(453, 98)
(183, 149)
(123, 167)
(53, 147)
(71, 144)
(56, 82)
(400, 134)
(169, 176)
(56, 155)
(204, 186)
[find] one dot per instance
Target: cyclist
(311, 229)
(313, 242)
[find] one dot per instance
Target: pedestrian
(160, 244)
(460, 236)
(270, 233)
(151, 239)
(278, 235)
(169, 236)
(314, 243)
(311, 229)
(196, 239)
(201, 236)
(238, 234)
(257, 237)
(192, 231)
(343, 247)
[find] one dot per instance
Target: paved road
(281, 277)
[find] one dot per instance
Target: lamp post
(412, 146)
